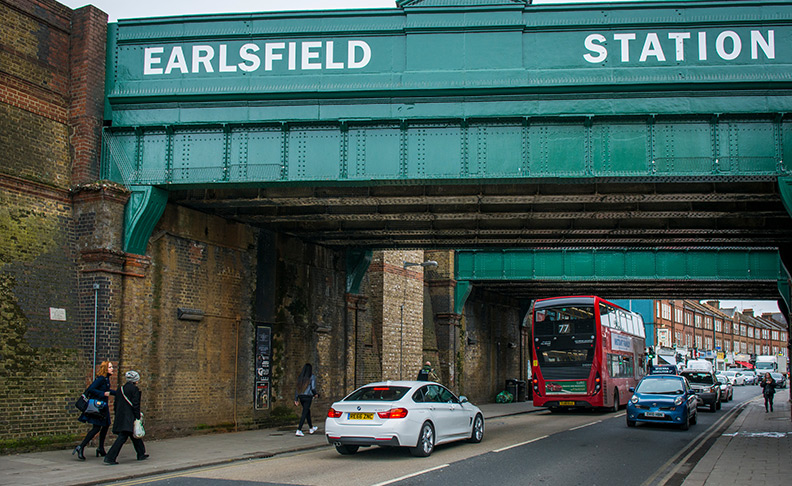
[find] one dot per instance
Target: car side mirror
(631, 389)
(463, 399)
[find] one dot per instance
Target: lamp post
(428, 263)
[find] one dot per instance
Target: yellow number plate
(567, 404)
(361, 416)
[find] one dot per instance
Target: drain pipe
(96, 320)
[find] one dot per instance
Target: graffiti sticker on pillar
(263, 354)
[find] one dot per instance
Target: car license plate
(361, 416)
(655, 414)
(567, 404)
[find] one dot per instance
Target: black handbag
(95, 408)
(81, 403)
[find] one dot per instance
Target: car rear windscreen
(378, 394)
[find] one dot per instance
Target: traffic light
(650, 353)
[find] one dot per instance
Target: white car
(415, 414)
(735, 378)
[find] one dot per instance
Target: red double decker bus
(587, 352)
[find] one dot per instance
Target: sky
(125, 9)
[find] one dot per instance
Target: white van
(699, 365)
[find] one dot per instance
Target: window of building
(688, 319)
(678, 315)
(750, 332)
(718, 325)
(697, 320)
(742, 330)
(698, 342)
(666, 311)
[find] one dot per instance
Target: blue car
(663, 399)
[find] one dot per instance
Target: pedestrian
(768, 385)
(127, 410)
(426, 373)
(100, 389)
(306, 392)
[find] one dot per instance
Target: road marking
(620, 415)
(586, 425)
(408, 476)
(520, 444)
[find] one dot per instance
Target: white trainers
(312, 430)
(299, 433)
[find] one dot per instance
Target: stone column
(356, 322)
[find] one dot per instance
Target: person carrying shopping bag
(127, 410)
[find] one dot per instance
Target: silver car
(418, 415)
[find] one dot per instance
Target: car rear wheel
(477, 433)
(425, 444)
(347, 450)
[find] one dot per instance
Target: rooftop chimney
(748, 312)
(714, 303)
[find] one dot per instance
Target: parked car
(780, 379)
(415, 414)
(706, 386)
(727, 392)
(749, 377)
(663, 399)
(736, 378)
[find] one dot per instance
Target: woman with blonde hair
(100, 389)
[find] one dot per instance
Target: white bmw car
(415, 414)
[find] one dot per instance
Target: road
(573, 448)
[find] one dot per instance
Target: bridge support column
(356, 319)
(785, 303)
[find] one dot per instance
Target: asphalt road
(566, 449)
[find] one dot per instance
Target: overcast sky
(127, 9)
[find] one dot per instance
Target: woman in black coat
(100, 390)
(768, 385)
(127, 410)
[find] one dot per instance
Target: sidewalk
(755, 450)
(169, 455)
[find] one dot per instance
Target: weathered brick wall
(492, 324)
(194, 373)
(43, 364)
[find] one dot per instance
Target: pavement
(755, 449)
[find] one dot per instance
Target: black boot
(100, 452)
(79, 451)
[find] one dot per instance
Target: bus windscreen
(565, 337)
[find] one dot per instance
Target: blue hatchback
(663, 399)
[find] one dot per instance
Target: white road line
(586, 425)
(408, 476)
(620, 415)
(520, 444)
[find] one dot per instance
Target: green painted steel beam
(357, 263)
(144, 208)
(475, 149)
(580, 265)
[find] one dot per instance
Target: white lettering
(768, 46)
(270, 54)
(652, 47)
(149, 60)
(702, 46)
(329, 62)
(679, 38)
(202, 55)
(224, 68)
(177, 61)
(308, 55)
(720, 47)
(246, 53)
(292, 56)
(625, 45)
(600, 50)
(352, 47)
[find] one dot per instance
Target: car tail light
(394, 413)
(332, 413)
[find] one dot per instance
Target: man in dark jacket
(127, 410)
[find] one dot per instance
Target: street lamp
(426, 264)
